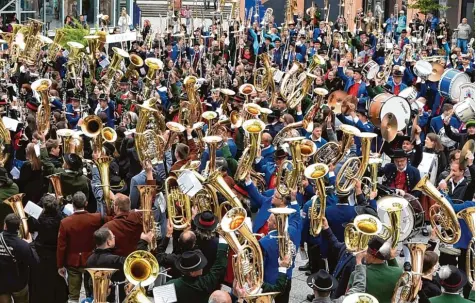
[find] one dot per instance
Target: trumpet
(317, 172)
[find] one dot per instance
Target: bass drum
(451, 82)
(409, 93)
(464, 110)
(386, 103)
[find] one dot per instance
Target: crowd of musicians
(209, 158)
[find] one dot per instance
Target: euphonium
(175, 129)
(154, 65)
(55, 47)
(317, 172)
(217, 182)
(469, 218)
(74, 60)
(189, 84)
(65, 135)
(137, 295)
(358, 233)
(354, 168)
(141, 269)
(114, 66)
(263, 76)
(93, 45)
(371, 182)
(441, 211)
(101, 278)
(178, 204)
(253, 128)
(286, 247)
(5, 141)
(147, 199)
(136, 63)
(304, 83)
(290, 172)
(102, 164)
(149, 144)
(212, 142)
(185, 113)
(15, 202)
(408, 285)
(393, 206)
(92, 126)
(332, 152)
(209, 116)
(44, 110)
(55, 180)
(288, 79)
(247, 90)
(248, 259)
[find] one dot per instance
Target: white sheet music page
(165, 294)
(33, 210)
(189, 184)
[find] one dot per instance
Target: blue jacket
(74, 118)
(367, 127)
(267, 155)
(437, 123)
(338, 216)
(349, 81)
(466, 234)
(412, 173)
(392, 85)
(267, 168)
(270, 247)
(261, 202)
(319, 143)
(109, 113)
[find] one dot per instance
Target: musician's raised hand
(285, 262)
(443, 185)
(417, 129)
(325, 224)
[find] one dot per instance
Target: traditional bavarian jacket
(411, 174)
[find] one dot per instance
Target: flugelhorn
(15, 202)
(393, 206)
(285, 245)
(469, 218)
(317, 172)
(358, 233)
(178, 204)
(441, 212)
(100, 278)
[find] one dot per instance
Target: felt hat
(322, 281)
(191, 261)
(206, 220)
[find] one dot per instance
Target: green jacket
(374, 91)
(232, 163)
(452, 298)
(71, 181)
(6, 192)
(381, 280)
(198, 290)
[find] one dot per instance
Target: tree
(427, 6)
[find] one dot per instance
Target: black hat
(206, 220)
(451, 278)
(375, 248)
(399, 153)
(238, 98)
(404, 31)
(134, 90)
(4, 175)
(125, 81)
(102, 97)
(216, 49)
(280, 153)
(191, 261)
(357, 70)
(397, 73)
(277, 39)
(74, 161)
(362, 111)
(404, 138)
(322, 281)
(268, 38)
(365, 210)
(74, 98)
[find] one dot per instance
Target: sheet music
(15, 172)
(189, 184)
(10, 124)
(165, 294)
(33, 210)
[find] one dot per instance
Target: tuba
(141, 269)
(5, 141)
(408, 285)
(74, 60)
(253, 128)
(248, 259)
(469, 218)
(285, 245)
(289, 82)
(212, 142)
(304, 83)
(100, 278)
(44, 110)
(93, 45)
(55, 47)
(55, 180)
(317, 172)
(393, 206)
(114, 66)
(102, 164)
(441, 212)
(178, 204)
(263, 76)
(354, 168)
(358, 233)
(153, 64)
(372, 181)
(195, 108)
(332, 152)
(15, 202)
(136, 63)
(149, 145)
(147, 199)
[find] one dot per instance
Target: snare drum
(467, 91)
(423, 69)
(409, 93)
(464, 110)
(387, 103)
(451, 82)
(370, 70)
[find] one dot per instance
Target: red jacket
(76, 240)
(127, 229)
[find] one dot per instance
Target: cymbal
(389, 127)
(467, 148)
(437, 72)
(335, 100)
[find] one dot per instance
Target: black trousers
(315, 259)
(284, 296)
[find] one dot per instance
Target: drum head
(407, 221)
(467, 91)
(408, 93)
(371, 69)
(423, 68)
(400, 108)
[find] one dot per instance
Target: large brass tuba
(253, 128)
(212, 142)
(44, 110)
(178, 204)
(15, 202)
(317, 172)
(263, 76)
(217, 182)
(147, 199)
(354, 168)
(408, 285)
(290, 79)
(393, 206)
(114, 66)
(93, 45)
(441, 212)
(136, 63)
(189, 85)
(5, 141)
(469, 218)
(102, 164)
(149, 144)
(332, 152)
(248, 259)
(74, 64)
(55, 47)
(285, 245)
(358, 233)
(100, 278)
(154, 65)
(141, 269)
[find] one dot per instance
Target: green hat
(470, 123)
